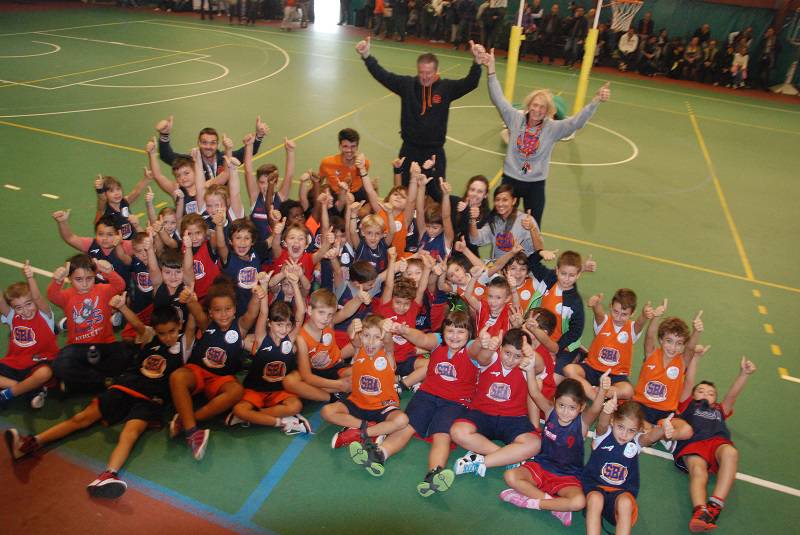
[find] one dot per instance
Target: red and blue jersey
(244, 273)
(500, 391)
(436, 246)
(613, 465)
(707, 421)
(140, 287)
(120, 218)
(451, 375)
(562, 446)
(30, 341)
(206, 268)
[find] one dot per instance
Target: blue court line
(164, 494)
(276, 473)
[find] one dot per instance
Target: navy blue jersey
(140, 288)
(562, 446)
(245, 275)
(424, 316)
(412, 238)
(360, 314)
(260, 217)
(271, 363)
(613, 464)
(436, 246)
(219, 351)
(189, 202)
(162, 298)
(95, 251)
(707, 421)
(154, 364)
(120, 218)
(378, 257)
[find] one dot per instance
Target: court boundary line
(71, 136)
(225, 72)
(57, 49)
(71, 28)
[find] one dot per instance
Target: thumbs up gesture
(363, 48)
(605, 380)
(697, 323)
(604, 93)
(666, 425)
(610, 406)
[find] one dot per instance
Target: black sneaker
(107, 485)
(437, 480)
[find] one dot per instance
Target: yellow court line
(673, 262)
(722, 201)
(70, 136)
(496, 178)
(13, 83)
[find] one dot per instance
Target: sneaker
(107, 485)
(713, 510)
(516, 498)
(345, 437)
(296, 424)
(471, 463)
(19, 446)
(368, 456)
(175, 426)
(702, 520)
(198, 441)
(37, 401)
(437, 480)
(565, 517)
(231, 420)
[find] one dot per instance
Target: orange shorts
(264, 400)
(208, 383)
(547, 481)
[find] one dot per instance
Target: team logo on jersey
(87, 318)
(326, 338)
(499, 392)
(199, 269)
(274, 371)
(479, 290)
(614, 473)
(286, 347)
(190, 207)
(317, 239)
(622, 337)
(215, 357)
(143, 281)
(491, 320)
(398, 340)
(320, 360)
(630, 450)
(504, 241)
(655, 391)
(437, 99)
(247, 278)
(153, 367)
(525, 295)
(345, 258)
(446, 371)
(231, 336)
(24, 336)
(126, 230)
(608, 356)
(381, 363)
(559, 309)
(369, 385)
(398, 226)
(673, 372)
(125, 212)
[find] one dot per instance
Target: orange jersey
(373, 382)
(612, 348)
(552, 301)
(333, 170)
(478, 292)
(525, 291)
(659, 386)
(400, 231)
(322, 353)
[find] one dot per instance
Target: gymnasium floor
(676, 191)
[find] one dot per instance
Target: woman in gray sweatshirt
(533, 132)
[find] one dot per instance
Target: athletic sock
(719, 502)
(6, 394)
(278, 422)
(190, 432)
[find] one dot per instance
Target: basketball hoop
(623, 12)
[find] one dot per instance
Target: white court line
(12, 82)
(71, 28)
(118, 43)
(225, 72)
(14, 263)
(56, 48)
(86, 82)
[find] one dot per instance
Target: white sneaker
(668, 445)
(296, 424)
(37, 401)
(232, 421)
(175, 426)
(471, 463)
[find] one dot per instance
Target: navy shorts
(654, 415)
(331, 373)
(593, 376)
(117, 406)
(563, 358)
(610, 503)
(14, 374)
(503, 428)
(429, 414)
(364, 414)
(406, 367)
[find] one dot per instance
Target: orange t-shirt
(373, 382)
(324, 353)
(552, 301)
(612, 349)
(332, 169)
(659, 386)
(400, 230)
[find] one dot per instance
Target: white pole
(597, 14)
(521, 9)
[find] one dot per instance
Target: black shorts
(17, 375)
(370, 416)
(506, 429)
(331, 373)
(429, 414)
(563, 358)
(593, 376)
(652, 415)
(117, 406)
(406, 367)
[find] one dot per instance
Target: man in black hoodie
(425, 106)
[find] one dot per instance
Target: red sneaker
(345, 437)
(197, 442)
(19, 446)
(702, 520)
(107, 485)
(713, 510)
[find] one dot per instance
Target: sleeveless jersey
(562, 446)
(403, 349)
(552, 301)
(612, 464)
(451, 376)
(501, 392)
(219, 351)
(30, 341)
(162, 298)
(424, 315)
(95, 251)
(271, 363)
(245, 275)
(526, 292)
(120, 218)
(189, 202)
(154, 364)
(707, 421)
(612, 348)
(547, 375)
(140, 287)
(206, 268)
(478, 291)
(399, 237)
(659, 387)
(497, 324)
(360, 313)
(436, 246)
(322, 353)
(378, 257)
(373, 382)
(260, 217)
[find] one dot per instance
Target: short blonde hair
(373, 220)
(548, 96)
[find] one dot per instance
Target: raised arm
(651, 336)
(591, 413)
(234, 187)
(139, 187)
(472, 79)
(424, 341)
(420, 201)
(570, 125)
(351, 230)
(41, 303)
(545, 404)
(164, 128)
(199, 180)
(167, 186)
(389, 80)
(694, 338)
(64, 230)
(288, 174)
(506, 110)
(120, 302)
(746, 369)
(100, 191)
(469, 292)
(595, 302)
(388, 285)
(249, 173)
(369, 188)
(447, 221)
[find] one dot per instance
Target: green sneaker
(368, 456)
(437, 480)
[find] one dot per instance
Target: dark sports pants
(73, 368)
(416, 153)
(532, 195)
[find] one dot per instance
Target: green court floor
(677, 192)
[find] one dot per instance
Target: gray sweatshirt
(552, 131)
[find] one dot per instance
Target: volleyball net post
(514, 44)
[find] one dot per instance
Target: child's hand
(548, 256)
(331, 253)
(277, 227)
(118, 301)
(595, 300)
(527, 221)
(27, 271)
(699, 350)
(356, 206)
(133, 219)
(610, 406)
(397, 163)
(261, 127)
(429, 163)
(293, 277)
(178, 194)
(289, 145)
(147, 174)
(392, 254)
(660, 309)
(314, 177)
(187, 239)
(62, 216)
(195, 154)
(164, 126)
(518, 248)
(748, 367)
(61, 273)
(354, 329)
(98, 182)
(364, 297)
(305, 176)
(477, 271)
(330, 237)
(103, 266)
(387, 326)
(532, 323)
(273, 178)
(218, 217)
(361, 163)
(474, 211)
(460, 245)
(157, 226)
(274, 216)
(439, 268)
(249, 139)
(590, 265)
(259, 292)
(484, 337)
(605, 380)
(698, 322)
(666, 425)
(187, 295)
(461, 206)
(648, 312)
(401, 266)
(149, 196)
(227, 143)
(150, 146)
(515, 316)
(263, 278)
(447, 189)
(147, 243)
(527, 350)
(323, 198)
(414, 169)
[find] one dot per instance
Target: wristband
(99, 191)
(362, 176)
(164, 138)
(398, 170)
(259, 138)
